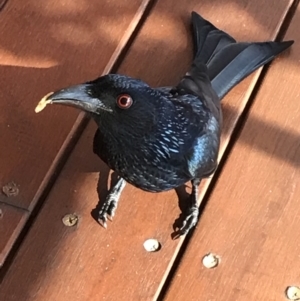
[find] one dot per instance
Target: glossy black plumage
(168, 136)
(156, 150)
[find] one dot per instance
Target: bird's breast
(148, 174)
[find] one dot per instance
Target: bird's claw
(102, 222)
(107, 210)
(189, 221)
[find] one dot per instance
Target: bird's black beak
(76, 96)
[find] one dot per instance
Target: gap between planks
(82, 119)
(71, 139)
(226, 146)
(278, 249)
(245, 99)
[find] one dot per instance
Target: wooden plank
(11, 219)
(251, 219)
(42, 47)
(86, 262)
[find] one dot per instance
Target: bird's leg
(109, 206)
(192, 212)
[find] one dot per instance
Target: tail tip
(285, 44)
(194, 15)
(289, 43)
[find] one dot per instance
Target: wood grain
(44, 47)
(86, 262)
(251, 219)
(11, 219)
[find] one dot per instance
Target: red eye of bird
(124, 101)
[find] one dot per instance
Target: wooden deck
(249, 208)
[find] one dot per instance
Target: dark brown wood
(87, 262)
(252, 217)
(44, 47)
(11, 220)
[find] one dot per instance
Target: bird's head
(116, 102)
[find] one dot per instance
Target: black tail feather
(229, 62)
(208, 39)
(247, 59)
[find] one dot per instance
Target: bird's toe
(107, 210)
(189, 221)
(102, 221)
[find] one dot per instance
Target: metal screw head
(293, 293)
(70, 220)
(152, 245)
(10, 189)
(211, 260)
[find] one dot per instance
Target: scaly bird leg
(109, 206)
(192, 212)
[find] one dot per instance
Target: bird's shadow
(103, 190)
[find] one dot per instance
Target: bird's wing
(202, 141)
(196, 82)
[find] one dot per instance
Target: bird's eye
(124, 101)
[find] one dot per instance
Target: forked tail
(229, 62)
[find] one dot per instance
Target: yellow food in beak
(43, 102)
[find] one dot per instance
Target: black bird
(159, 138)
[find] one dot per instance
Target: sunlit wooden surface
(250, 219)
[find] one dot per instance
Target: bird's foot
(189, 218)
(188, 221)
(108, 208)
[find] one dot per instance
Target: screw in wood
(211, 260)
(293, 293)
(152, 245)
(70, 219)
(10, 189)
